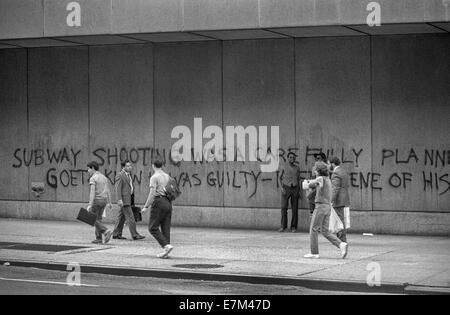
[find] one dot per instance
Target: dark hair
(124, 163)
(335, 160)
(158, 163)
(322, 172)
(93, 165)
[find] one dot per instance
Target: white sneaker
(344, 249)
(167, 249)
(311, 256)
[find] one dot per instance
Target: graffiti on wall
(66, 168)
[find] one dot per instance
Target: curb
(314, 284)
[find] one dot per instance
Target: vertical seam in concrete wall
(223, 118)
(371, 114)
(294, 84)
(89, 96)
(28, 116)
(154, 96)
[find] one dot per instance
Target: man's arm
(91, 195)
(316, 182)
(119, 183)
(336, 181)
(151, 194)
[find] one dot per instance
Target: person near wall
(321, 216)
(125, 200)
(99, 198)
(161, 209)
(340, 198)
(290, 190)
(311, 193)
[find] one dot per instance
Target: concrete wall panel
(95, 17)
(58, 121)
(219, 14)
(147, 16)
(13, 124)
(258, 91)
(188, 83)
(21, 19)
(333, 107)
(121, 110)
(411, 114)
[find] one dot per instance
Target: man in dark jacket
(340, 198)
(125, 199)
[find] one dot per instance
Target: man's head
(291, 157)
(92, 167)
(335, 162)
(320, 157)
(157, 164)
(127, 166)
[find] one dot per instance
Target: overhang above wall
(271, 33)
(398, 29)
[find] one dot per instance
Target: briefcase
(86, 217)
(137, 213)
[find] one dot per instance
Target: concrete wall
(30, 18)
(411, 122)
(350, 97)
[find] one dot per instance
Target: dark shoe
(119, 237)
(97, 242)
(281, 230)
(139, 237)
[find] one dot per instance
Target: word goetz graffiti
(65, 168)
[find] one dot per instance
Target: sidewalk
(408, 264)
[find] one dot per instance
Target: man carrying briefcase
(99, 197)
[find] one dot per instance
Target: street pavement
(26, 281)
(379, 263)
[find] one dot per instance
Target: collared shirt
(291, 175)
(131, 182)
(158, 181)
(100, 183)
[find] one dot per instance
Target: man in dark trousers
(340, 198)
(125, 199)
(290, 190)
(161, 209)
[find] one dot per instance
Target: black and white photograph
(224, 154)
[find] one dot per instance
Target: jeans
(319, 224)
(160, 217)
(292, 193)
(97, 208)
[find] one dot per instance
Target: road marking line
(49, 282)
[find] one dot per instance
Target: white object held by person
(335, 224)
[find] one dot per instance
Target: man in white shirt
(161, 209)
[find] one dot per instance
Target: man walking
(161, 209)
(340, 198)
(290, 190)
(125, 196)
(99, 197)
